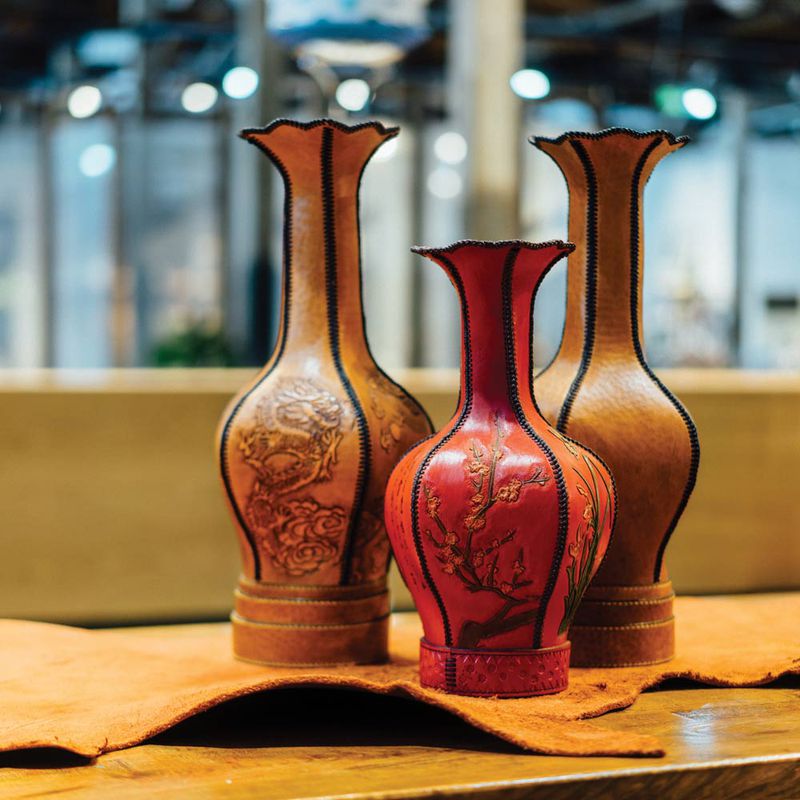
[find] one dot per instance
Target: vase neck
(321, 164)
(495, 282)
(606, 174)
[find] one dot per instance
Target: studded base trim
(494, 673)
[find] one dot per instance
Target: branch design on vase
(477, 558)
(583, 551)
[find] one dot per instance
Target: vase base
(310, 626)
(494, 673)
(624, 626)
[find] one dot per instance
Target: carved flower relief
(302, 535)
(371, 553)
(397, 418)
(292, 446)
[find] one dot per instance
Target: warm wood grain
(722, 743)
(112, 510)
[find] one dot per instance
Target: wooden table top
(304, 743)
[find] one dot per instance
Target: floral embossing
(293, 445)
(583, 550)
(398, 417)
(480, 559)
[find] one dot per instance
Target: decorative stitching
(536, 142)
(572, 135)
(280, 347)
(513, 391)
(390, 134)
(591, 285)
(255, 624)
(694, 442)
(465, 411)
(494, 245)
(659, 623)
(532, 393)
(305, 601)
(332, 298)
(324, 122)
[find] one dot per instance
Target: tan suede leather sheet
(95, 691)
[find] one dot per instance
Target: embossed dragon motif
(293, 446)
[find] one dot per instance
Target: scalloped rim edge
(668, 135)
(565, 247)
(323, 122)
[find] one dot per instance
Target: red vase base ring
(494, 673)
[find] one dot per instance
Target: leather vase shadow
(600, 389)
(306, 449)
(498, 521)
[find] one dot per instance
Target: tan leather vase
(600, 390)
(306, 449)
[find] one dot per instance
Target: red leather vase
(498, 522)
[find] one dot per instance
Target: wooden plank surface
(314, 743)
(112, 509)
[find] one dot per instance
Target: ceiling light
(450, 147)
(199, 97)
(699, 103)
(84, 101)
(530, 84)
(240, 82)
(97, 159)
(352, 94)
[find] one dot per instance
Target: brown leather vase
(306, 449)
(600, 390)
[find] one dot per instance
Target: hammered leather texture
(306, 449)
(498, 521)
(600, 389)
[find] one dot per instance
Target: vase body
(600, 390)
(306, 449)
(498, 521)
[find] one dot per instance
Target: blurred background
(139, 236)
(137, 230)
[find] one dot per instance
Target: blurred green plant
(196, 345)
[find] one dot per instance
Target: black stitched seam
(392, 133)
(524, 422)
(694, 441)
(332, 299)
(280, 347)
(465, 411)
(590, 309)
(572, 135)
(572, 441)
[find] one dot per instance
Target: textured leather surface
(599, 387)
(494, 673)
(498, 521)
(143, 683)
(306, 449)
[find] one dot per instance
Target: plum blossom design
(478, 557)
(583, 550)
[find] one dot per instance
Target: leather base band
(624, 626)
(494, 673)
(310, 626)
